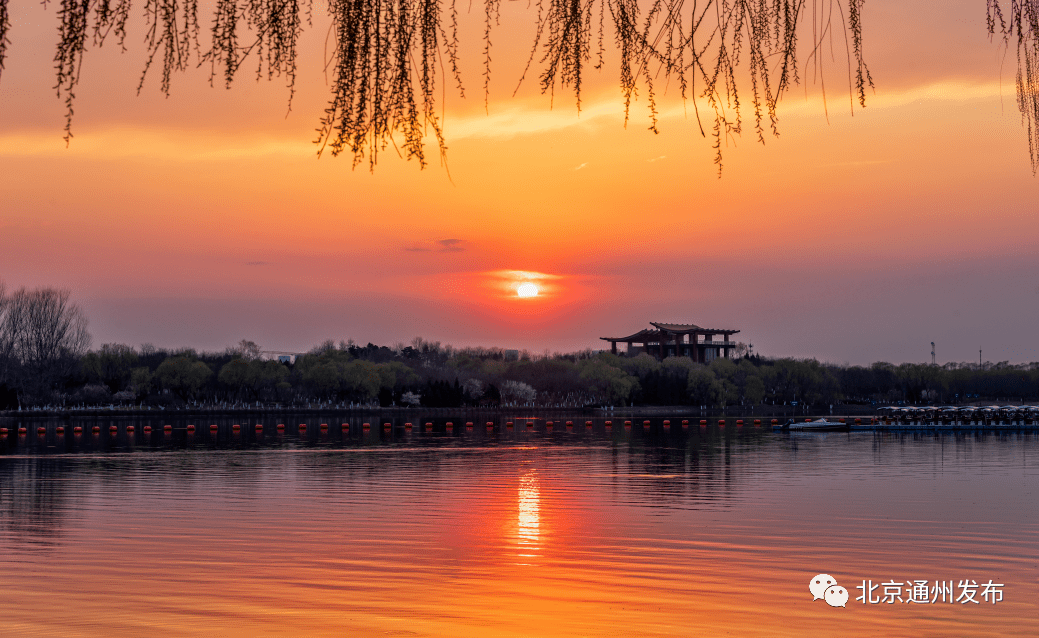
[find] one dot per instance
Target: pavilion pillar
(613, 347)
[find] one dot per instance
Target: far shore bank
(781, 412)
(770, 411)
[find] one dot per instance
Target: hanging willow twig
(1022, 24)
(385, 64)
(388, 56)
(277, 25)
(68, 60)
(5, 27)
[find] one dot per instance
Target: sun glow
(528, 525)
(534, 291)
(527, 290)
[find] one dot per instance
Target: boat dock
(943, 418)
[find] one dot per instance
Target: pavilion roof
(645, 334)
(656, 335)
(686, 328)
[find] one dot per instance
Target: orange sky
(205, 218)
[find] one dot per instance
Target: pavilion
(678, 340)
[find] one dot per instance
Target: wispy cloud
(115, 142)
(533, 118)
(257, 263)
(860, 163)
(450, 245)
(581, 166)
(128, 142)
(657, 159)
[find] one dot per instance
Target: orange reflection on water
(528, 519)
(578, 541)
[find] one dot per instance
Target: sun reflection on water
(528, 520)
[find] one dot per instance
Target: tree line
(46, 360)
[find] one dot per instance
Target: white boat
(819, 425)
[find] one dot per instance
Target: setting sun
(527, 290)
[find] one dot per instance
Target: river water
(523, 532)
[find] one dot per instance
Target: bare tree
(6, 338)
(245, 349)
(42, 336)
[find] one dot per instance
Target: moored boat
(819, 425)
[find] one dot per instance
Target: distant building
(280, 357)
(512, 355)
(677, 340)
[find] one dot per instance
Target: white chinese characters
(923, 592)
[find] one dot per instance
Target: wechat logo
(825, 586)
